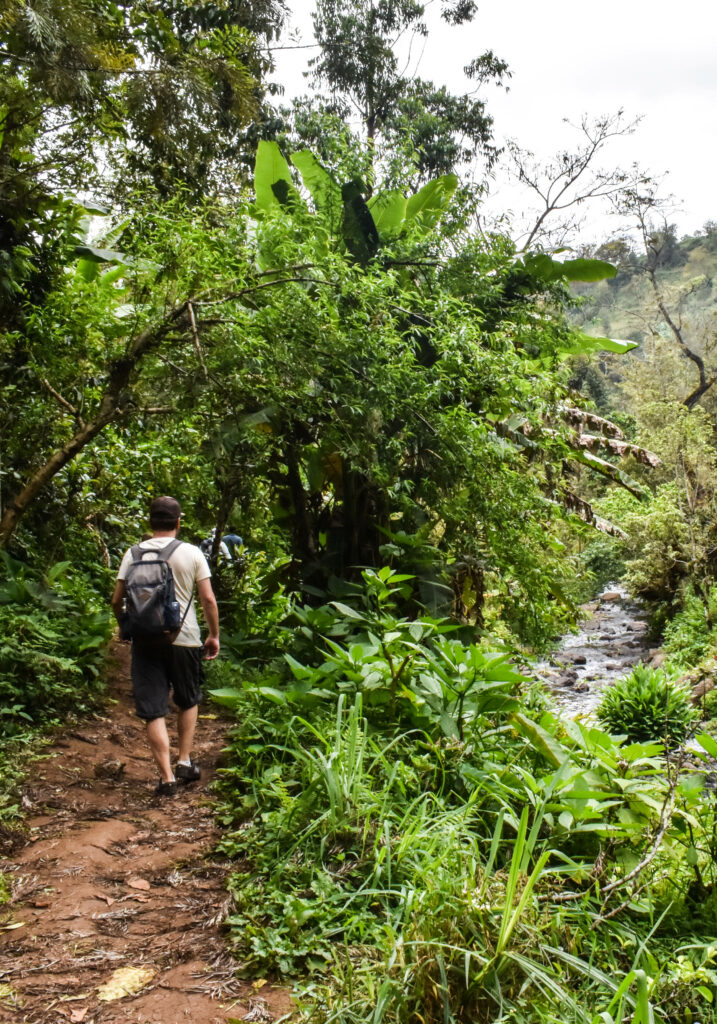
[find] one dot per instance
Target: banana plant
(365, 225)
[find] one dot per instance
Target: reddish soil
(111, 877)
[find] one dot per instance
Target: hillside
(624, 307)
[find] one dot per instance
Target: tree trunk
(121, 372)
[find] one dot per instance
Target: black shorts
(157, 669)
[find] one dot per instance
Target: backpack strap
(161, 554)
(168, 550)
(164, 555)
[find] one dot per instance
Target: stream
(611, 639)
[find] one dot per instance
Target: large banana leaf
(591, 442)
(270, 168)
(324, 190)
(429, 203)
(97, 255)
(388, 210)
(587, 343)
(583, 417)
(548, 270)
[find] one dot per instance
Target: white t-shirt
(189, 567)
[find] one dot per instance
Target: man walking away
(233, 542)
(170, 660)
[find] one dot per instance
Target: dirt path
(112, 879)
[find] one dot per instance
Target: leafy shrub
(253, 605)
(406, 670)
(53, 631)
(657, 539)
(647, 706)
(687, 636)
(363, 862)
(603, 562)
(708, 705)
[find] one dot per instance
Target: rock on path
(108, 878)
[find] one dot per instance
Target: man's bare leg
(186, 724)
(158, 739)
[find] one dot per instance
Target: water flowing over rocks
(610, 641)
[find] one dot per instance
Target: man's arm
(211, 616)
(117, 599)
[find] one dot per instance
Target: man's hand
(211, 648)
(211, 617)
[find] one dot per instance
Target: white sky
(655, 59)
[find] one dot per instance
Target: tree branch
(121, 372)
(63, 402)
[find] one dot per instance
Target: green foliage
(162, 90)
(604, 561)
(22, 746)
(54, 635)
(687, 636)
(657, 540)
(406, 670)
(419, 874)
(253, 606)
(708, 705)
(647, 706)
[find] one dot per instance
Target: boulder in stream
(611, 595)
(568, 679)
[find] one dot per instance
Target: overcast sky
(656, 60)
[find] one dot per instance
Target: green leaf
(57, 570)
(350, 613)
(227, 696)
(448, 726)
(91, 252)
(549, 271)
(540, 739)
(261, 419)
(388, 210)
(587, 270)
(270, 167)
(323, 188)
(87, 270)
(587, 343)
(96, 209)
(708, 743)
(429, 203)
(272, 694)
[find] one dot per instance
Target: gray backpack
(151, 607)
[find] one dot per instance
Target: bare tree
(659, 241)
(563, 185)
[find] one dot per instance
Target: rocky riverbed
(611, 639)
